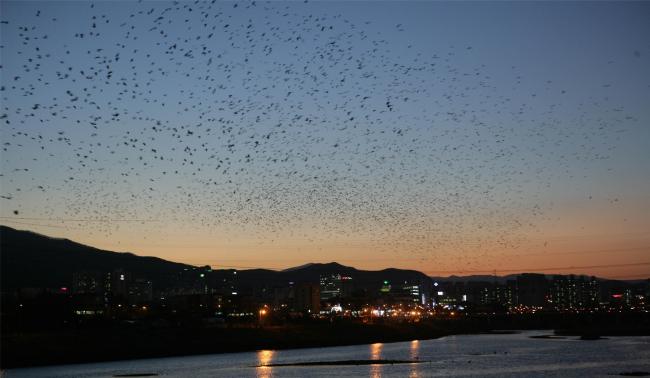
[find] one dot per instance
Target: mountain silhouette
(29, 259)
(33, 260)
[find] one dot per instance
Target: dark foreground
(118, 342)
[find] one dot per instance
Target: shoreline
(122, 342)
(82, 346)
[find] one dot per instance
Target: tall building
(307, 298)
(532, 289)
(330, 286)
(385, 287)
(408, 293)
(88, 293)
(591, 293)
(140, 291)
(565, 293)
(506, 294)
(574, 293)
(120, 283)
(347, 286)
(86, 282)
(480, 292)
(283, 296)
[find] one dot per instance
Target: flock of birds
(269, 120)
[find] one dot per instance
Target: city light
(378, 171)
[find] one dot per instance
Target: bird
(285, 119)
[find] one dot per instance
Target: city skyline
(448, 138)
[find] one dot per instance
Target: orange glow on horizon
(589, 241)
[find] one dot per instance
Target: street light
(262, 313)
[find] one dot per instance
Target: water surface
(509, 355)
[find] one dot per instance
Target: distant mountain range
(311, 273)
(28, 259)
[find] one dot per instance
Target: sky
(447, 137)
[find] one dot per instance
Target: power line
(492, 271)
(11, 220)
(542, 269)
(631, 277)
(80, 220)
(246, 267)
(35, 224)
(583, 252)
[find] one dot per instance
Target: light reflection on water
(415, 350)
(375, 354)
(375, 351)
(414, 354)
(515, 355)
(265, 357)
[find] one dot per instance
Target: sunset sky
(447, 137)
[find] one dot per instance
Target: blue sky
(453, 134)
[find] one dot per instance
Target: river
(491, 355)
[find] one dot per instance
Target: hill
(370, 279)
(28, 259)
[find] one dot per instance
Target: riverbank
(119, 343)
(136, 341)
